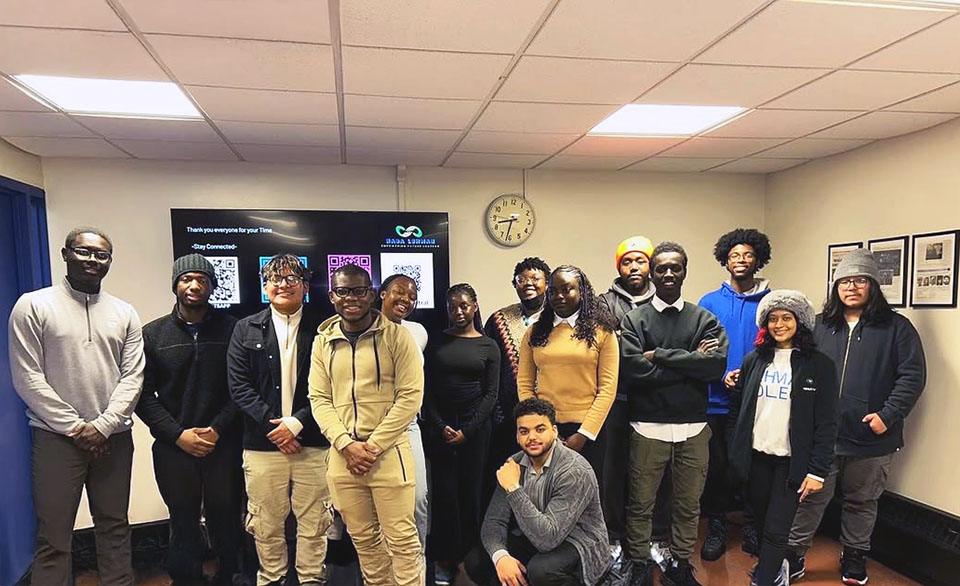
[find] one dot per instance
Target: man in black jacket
(285, 455)
(186, 405)
(882, 371)
(670, 349)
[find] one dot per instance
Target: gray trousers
(60, 471)
(861, 481)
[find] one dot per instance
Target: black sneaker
(715, 544)
(853, 566)
(641, 573)
(680, 573)
(782, 579)
(750, 543)
(797, 565)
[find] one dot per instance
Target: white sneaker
(660, 553)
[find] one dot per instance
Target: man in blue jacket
(742, 252)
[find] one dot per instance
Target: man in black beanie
(187, 406)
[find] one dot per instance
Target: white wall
(907, 185)
(20, 165)
(580, 219)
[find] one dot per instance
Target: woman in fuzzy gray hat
(783, 410)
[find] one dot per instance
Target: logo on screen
(409, 231)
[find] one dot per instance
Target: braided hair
(593, 314)
(466, 289)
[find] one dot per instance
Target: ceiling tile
(614, 146)
(781, 123)
(76, 53)
(924, 51)
(408, 112)
(584, 81)
(281, 134)
(728, 85)
(627, 29)
(811, 148)
(676, 164)
(401, 138)
(67, 147)
(586, 163)
(492, 160)
(247, 64)
(942, 100)
(177, 151)
(299, 155)
(759, 165)
(557, 118)
(884, 125)
(138, 129)
(39, 124)
(82, 14)
(365, 156)
(808, 34)
(266, 106)
(721, 147)
(491, 26)
(15, 100)
(420, 74)
(861, 90)
(291, 20)
(518, 143)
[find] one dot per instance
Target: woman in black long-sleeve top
(462, 368)
(784, 408)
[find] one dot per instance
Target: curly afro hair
(753, 238)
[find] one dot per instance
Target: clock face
(510, 220)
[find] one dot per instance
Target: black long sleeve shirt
(463, 376)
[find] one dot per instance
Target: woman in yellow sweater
(570, 357)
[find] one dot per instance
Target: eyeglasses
(528, 280)
(858, 282)
(735, 256)
(86, 254)
(290, 280)
(351, 291)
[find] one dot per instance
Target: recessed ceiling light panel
(664, 120)
(937, 5)
(111, 97)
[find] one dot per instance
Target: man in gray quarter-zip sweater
(76, 356)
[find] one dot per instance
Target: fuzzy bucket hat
(793, 301)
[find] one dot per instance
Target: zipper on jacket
(86, 306)
(353, 388)
(846, 353)
(403, 470)
(196, 345)
(376, 359)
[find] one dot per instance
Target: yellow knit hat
(634, 244)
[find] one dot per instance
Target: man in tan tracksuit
(366, 386)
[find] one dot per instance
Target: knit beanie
(193, 263)
(634, 244)
(857, 263)
(793, 301)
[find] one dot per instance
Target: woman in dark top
(462, 370)
(783, 406)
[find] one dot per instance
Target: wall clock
(510, 219)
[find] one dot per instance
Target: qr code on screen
(412, 271)
(227, 271)
(335, 261)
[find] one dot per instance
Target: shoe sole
(796, 576)
(854, 581)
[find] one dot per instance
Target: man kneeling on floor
(544, 526)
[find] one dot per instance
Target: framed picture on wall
(891, 255)
(835, 253)
(933, 282)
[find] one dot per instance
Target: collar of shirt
(660, 304)
(571, 321)
(529, 319)
(285, 325)
(527, 463)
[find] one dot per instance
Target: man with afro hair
(742, 252)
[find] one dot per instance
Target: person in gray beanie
(783, 424)
(880, 363)
(194, 263)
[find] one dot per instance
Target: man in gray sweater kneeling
(544, 526)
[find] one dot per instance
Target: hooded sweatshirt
(738, 315)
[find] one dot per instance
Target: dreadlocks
(592, 315)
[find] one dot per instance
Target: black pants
(774, 501)
(503, 444)
(715, 502)
(592, 450)
(558, 567)
(456, 495)
(212, 485)
(616, 470)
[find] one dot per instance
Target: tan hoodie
(370, 393)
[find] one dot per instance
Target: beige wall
(907, 185)
(20, 165)
(580, 219)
